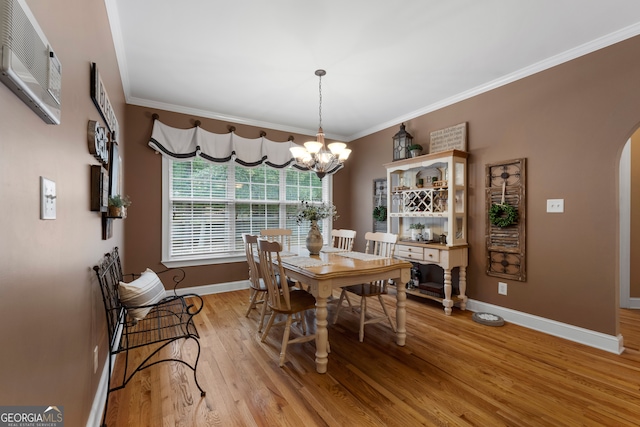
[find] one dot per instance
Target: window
(208, 206)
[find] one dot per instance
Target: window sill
(193, 262)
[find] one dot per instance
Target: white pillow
(146, 289)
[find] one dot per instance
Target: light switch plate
(555, 205)
(47, 198)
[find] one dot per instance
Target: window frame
(195, 260)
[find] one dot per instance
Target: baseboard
(634, 302)
(213, 289)
(97, 408)
(610, 343)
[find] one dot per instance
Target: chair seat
(366, 289)
(300, 300)
(263, 287)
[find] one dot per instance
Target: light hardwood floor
(452, 372)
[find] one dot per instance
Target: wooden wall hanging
(506, 245)
(380, 205)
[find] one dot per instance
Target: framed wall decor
(101, 100)
(505, 189)
(114, 170)
(380, 205)
(99, 188)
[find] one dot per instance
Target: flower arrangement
(310, 212)
(416, 226)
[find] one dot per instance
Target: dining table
(333, 268)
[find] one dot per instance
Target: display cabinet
(426, 201)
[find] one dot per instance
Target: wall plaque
(98, 142)
(101, 100)
(451, 138)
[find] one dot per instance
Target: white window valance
(185, 144)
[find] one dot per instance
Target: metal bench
(168, 320)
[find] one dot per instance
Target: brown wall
(143, 175)
(570, 123)
(51, 313)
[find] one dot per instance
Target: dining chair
(281, 235)
(382, 244)
(256, 284)
(285, 301)
(343, 239)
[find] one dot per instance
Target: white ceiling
(253, 61)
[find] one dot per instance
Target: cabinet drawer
(410, 252)
(432, 255)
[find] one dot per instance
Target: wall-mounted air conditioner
(28, 65)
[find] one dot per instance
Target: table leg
(463, 287)
(401, 312)
(447, 302)
(322, 357)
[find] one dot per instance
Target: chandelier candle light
(315, 155)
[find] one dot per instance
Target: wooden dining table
(333, 269)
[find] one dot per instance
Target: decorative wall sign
(101, 100)
(505, 185)
(451, 138)
(98, 142)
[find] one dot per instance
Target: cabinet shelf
(440, 208)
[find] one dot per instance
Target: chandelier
(316, 156)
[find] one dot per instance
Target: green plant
(309, 212)
(415, 147)
(416, 226)
(119, 201)
(380, 213)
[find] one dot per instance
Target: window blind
(210, 206)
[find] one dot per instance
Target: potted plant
(416, 229)
(118, 206)
(415, 150)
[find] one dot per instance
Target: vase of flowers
(314, 213)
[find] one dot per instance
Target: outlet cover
(555, 205)
(502, 288)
